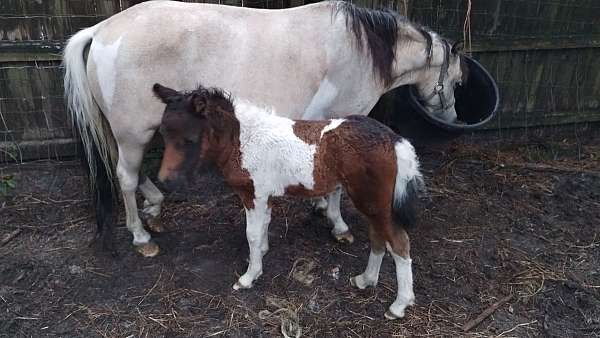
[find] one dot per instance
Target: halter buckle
(439, 88)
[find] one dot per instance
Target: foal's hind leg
(153, 199)
(374, 200)
(399, 247)
(340, 230)
(371, 274)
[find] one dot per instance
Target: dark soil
(519, 218)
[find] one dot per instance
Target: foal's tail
(409, 183)
(98, 143)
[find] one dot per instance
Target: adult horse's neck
(415, 60)
(387, 51)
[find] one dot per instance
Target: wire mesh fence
(542, 53)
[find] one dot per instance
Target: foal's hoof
(344, 237)
(239, 286)
(360, 282)
(149, 249)
(391, 316)
(155, 224)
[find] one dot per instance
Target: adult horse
(317, 61)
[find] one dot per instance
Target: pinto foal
(262, 155)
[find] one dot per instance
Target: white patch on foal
(408, 167)
(104, 57)
(333, 123)
(272, 154)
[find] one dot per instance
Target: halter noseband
(439, 87)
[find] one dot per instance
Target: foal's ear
(458, 46)
(199, 104)
(164, 93)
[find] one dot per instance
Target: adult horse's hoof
(154, 223)
(344, 237)
(149, 249)
(391, 316)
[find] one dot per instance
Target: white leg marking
(334, 214)
(371, 274)
(264, 244)
(257, 224)
(405, 296)
(153, 198)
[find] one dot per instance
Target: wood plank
(557, 43)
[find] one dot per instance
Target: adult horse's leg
(257, 225)
(153, 199)
(340, 230)
(131, 153)
(371, 274)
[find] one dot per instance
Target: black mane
(381, 30)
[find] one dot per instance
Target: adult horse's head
(436, 82)
(402, 52)
(193, 127)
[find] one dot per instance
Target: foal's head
(436, 85)
(193, 125)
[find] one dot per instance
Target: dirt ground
(515, 221)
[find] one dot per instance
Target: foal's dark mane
(220, 111)
(381, 30)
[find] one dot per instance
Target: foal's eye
(188, 142)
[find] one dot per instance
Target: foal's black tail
(409, 185)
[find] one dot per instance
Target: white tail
(84, 111)
(409, 182)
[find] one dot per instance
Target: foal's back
(346, 151)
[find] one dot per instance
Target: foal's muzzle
(170, 184)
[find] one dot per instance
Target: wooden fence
(543, 53)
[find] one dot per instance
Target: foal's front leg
(257, 224)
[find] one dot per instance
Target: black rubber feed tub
(476, 104)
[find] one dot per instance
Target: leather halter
(439, 87)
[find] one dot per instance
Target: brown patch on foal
(309, 131)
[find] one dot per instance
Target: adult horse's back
(317, 61)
